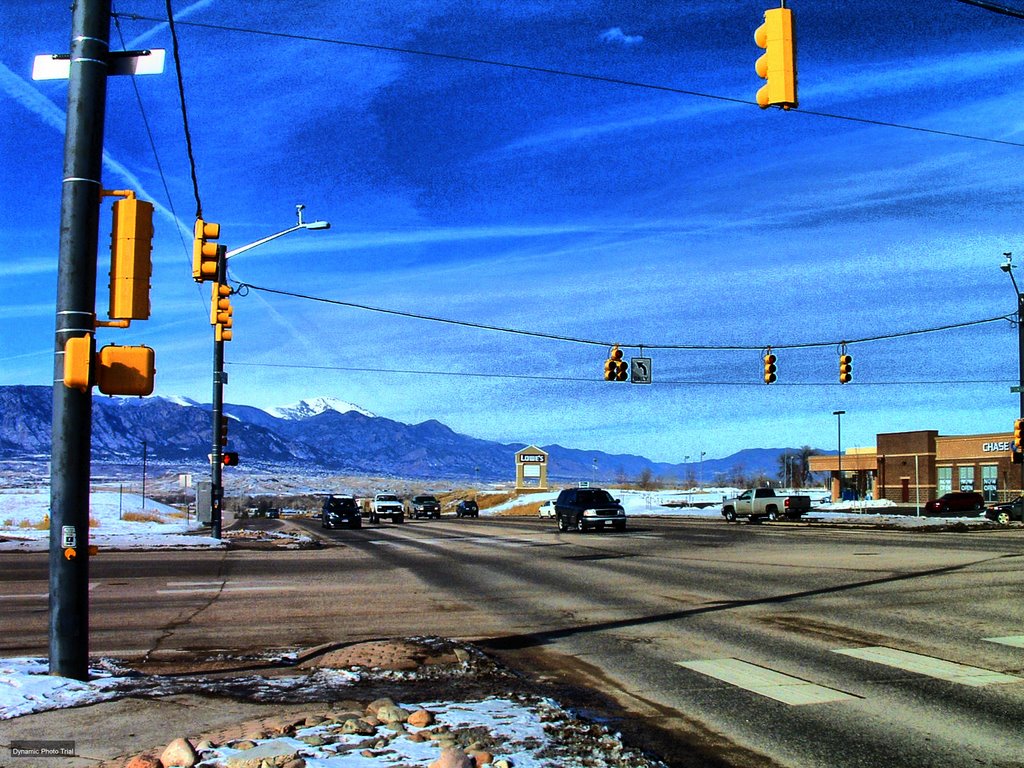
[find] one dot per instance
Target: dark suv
(957, 501)
(425, 506)
(578, 509)
(341, 511)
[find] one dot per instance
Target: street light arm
(268, 238)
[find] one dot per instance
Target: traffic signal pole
(70, 459)
(219, 380)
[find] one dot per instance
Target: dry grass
(142, 517)
(522, 510)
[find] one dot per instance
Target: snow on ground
(527, 732)
(117, 521)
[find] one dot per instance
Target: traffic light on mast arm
(777, 64)
(769, 368)
(1018, 436)
(205, 254)
(615, 368)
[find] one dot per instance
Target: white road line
(1017, 641)
(929, 666)
(44, 596)
(766, 682)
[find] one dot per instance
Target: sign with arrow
(640, 370)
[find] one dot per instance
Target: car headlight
(589, 512)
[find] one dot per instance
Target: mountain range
(323, 435)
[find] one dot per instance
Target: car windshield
(341, 503)
(424, 499)
(385, 497)
(594, 497)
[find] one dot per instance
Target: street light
(839, 447)
(1008, 266)
(702, 455)
(220, 376)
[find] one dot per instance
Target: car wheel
(580, 525)
(730, 515)
(400, 519)
(620, 526)
(1003, 518)
(773, 515)
(562, 524)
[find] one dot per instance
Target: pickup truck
(387, 505)
(755, 503)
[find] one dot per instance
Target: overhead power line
(243, 287)
(184, 110)
(376, 370)
(563, 73)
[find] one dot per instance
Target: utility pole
(70, 460)
(220, 378)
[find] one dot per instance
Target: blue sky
(558, 205)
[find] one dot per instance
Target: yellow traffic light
(1018, 435)
(126, 370)
(131, 262)
(221, 312)
(615, 368)
(205, 256)
(769, 368)
(845, 368)
(777, 64)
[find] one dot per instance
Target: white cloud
(616, 35)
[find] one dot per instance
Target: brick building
(913, 467)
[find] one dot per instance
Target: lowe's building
(913, 467)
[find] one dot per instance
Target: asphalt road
(781, 644)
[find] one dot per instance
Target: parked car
(340, 511)
(957, 501)
(274, 513)
(755, 503)
(1005, 512)
(547, 509)
(578, 509)
(425, 505)
(467, 508)
(387, 505)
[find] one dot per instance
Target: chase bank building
(912, 467)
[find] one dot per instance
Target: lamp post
(1008, 266)
(220, 377)
(839, 448)
(701, 481)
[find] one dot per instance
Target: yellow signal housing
(777, 64)
(126, 370)
(131, 260)
(770, 368)
(78, 354)
(204, 253)
(845, 368)
(1018, 434)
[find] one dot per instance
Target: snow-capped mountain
(314, 407)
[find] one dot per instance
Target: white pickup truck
(756, 503)
(387, 505)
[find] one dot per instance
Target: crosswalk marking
(929, 666)
(1017, 641)
(767, 682)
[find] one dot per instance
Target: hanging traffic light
(229, 459)
(221, 312)
(845, 368)
(205, 254)
(777, 64)
(769, 367)
(615, 368)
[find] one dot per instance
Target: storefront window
(966, 478)
(990, 482)
(945, 480)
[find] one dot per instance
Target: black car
(341, 511)
(425, 506)
(467, 508)
(578, 509)
(1005, 512)
(956, 501)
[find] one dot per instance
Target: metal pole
(839, 446)
(1020, 362)
(143, 475)
(219, 380)
(70, 458)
